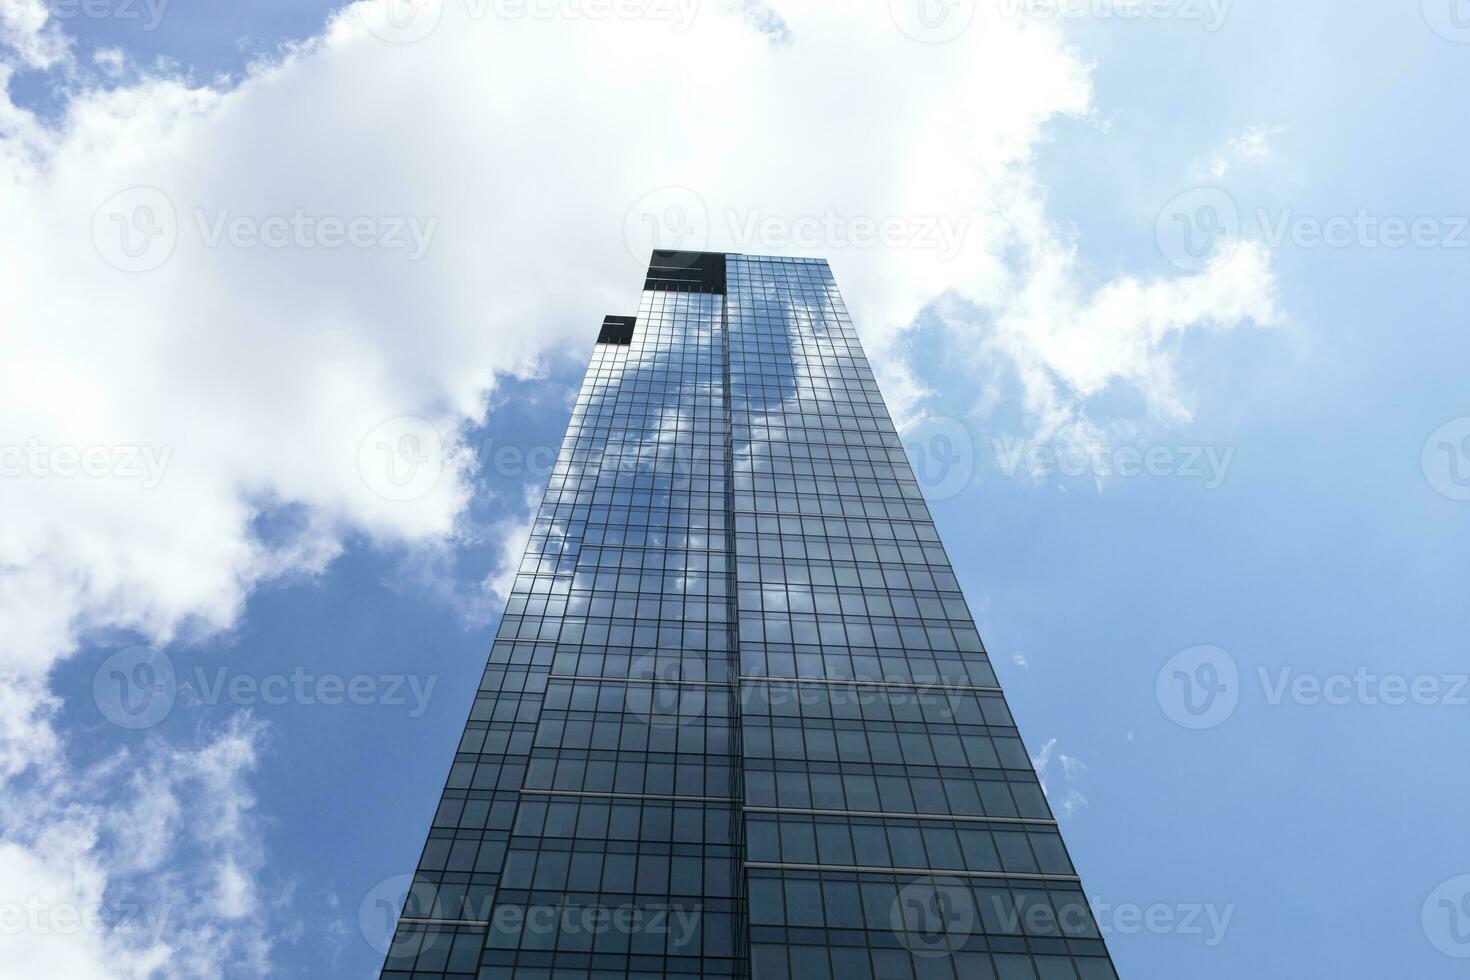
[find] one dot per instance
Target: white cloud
(102, 869)
(1066, 798)
(252, 375)
(1252, 148)
(28, 29)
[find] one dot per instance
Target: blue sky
(1205, 654)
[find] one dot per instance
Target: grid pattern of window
(738, 720)
(895, 827)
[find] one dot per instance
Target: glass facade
(738, 720)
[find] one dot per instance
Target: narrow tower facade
(737, 720)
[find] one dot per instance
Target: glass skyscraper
(738, 720)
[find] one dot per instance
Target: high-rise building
(738, 720)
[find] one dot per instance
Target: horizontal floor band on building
(632, 796)
(839, 682)
(880, 815)
(921, 872)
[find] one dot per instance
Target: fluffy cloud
(246, 321)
